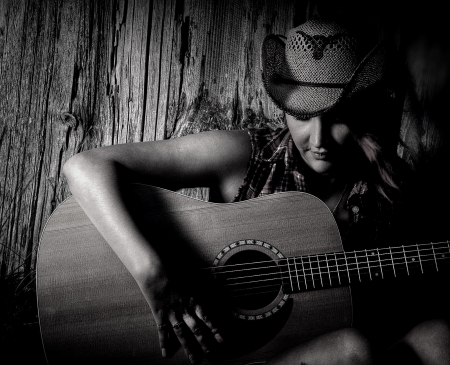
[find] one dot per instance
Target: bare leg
(426, 344)
(346, 346)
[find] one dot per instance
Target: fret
(357, 267)
(374, 262)
(368, 265)
(443, 250)
(447, 256)
(285, 277)
(347, 269)
(304, 273)
(320, 271)
(328, 268)
(434, 255)
(352, 265)
(399, 260)
(337, 268)
(385, 267)
(290, 275)
(427, 256)
(381, 266)
(414, 261)
(392, 260)
(406, 261)
(324, 270)
(296, 274)
(364, 266)
(420, 260)
(312, 272)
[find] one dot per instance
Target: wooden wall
(76, 75)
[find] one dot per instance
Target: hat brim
(314, 100)
(305, 101)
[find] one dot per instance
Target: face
(322, 142)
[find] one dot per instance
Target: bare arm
(215, 159)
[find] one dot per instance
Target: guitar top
(262, 261)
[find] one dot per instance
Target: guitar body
(92, 311)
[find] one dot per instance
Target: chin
(324, 169)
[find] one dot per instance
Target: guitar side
(91, 309)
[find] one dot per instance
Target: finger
(181, 331)
(205, 318)
(163, 334)
(193, 325)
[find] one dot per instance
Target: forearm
(217, 160)
(96, 183)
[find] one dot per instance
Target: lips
(319, 155)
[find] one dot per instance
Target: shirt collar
(277, 147)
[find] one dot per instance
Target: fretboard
(328, 270)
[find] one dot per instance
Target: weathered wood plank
(128, 69)
(223, 88)
(80, 74)
(24, 87)
(76, 75)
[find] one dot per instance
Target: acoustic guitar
(272, 267)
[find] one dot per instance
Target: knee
(430, 341)
(433, 331)
(354, 347)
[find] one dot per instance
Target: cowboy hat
(317, 66)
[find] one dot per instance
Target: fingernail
(163, 352)
(218, 338)
(192, 359)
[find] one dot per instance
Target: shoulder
(223, 145)
(265, 141)
(265, 135)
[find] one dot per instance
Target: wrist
(147, 270)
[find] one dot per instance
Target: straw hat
(317, 66)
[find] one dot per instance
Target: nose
(317, 132)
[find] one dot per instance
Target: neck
(354, 267)
(323, 186)
(330, 190)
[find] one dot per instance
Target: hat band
(281, 80)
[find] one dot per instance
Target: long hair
(374, 118)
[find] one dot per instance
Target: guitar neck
(328, 270)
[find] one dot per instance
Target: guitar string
(320, 270)
(356, 254)
(308, 281)
(368, 265)
(329, 274)
(304, 273)
(276, 288)
(359, 269)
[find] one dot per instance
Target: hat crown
(317, 65)
(321, 52)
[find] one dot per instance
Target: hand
(176, 310)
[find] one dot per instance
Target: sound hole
(252, 279)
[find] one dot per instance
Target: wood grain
(76, 75)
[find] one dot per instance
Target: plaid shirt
(374, 222)
(274, 168)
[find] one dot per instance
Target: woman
(335, 146)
